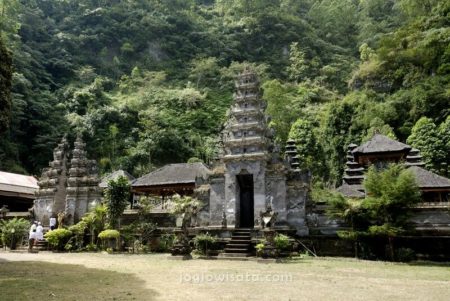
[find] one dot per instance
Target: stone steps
(239, 246)
(41, 245)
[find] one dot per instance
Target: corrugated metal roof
(17, 183)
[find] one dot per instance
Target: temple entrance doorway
(246, 201)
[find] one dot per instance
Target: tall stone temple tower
(71, 188)
(251, 176)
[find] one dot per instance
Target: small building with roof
(433, 212)
(380, 149)
(17, 193)
(179, 178)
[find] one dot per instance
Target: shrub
(259, 248)
(58, 238)
(204, 242)
(68, 247)
(109, 234)
(13, 231)
(405, 255)
(282, 242)
(166, 242)
(78, 230)
(91, 247)
(110, 238)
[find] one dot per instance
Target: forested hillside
(149, 82)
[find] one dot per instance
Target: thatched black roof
(114, 176)
(182, 173)
(428, 179)
(351, 191)
(381, 144)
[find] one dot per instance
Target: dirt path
(310, 279)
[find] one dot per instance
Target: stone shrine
(250, 175)
(71, 188)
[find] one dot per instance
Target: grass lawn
(95, 276)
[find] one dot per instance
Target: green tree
(444, 134)
(9, 24)
(117, 196)
(280, 107)
(5, 87)
(425, 137)
(391, 193)
(308, 147)
(204, 71)
(298, 67)
(377, 125)
(95, 221)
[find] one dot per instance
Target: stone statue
(181, 246)
(186, 217)
(3, 211)
(224, 219)
(268, 217)
(194, 216)
(61, 216)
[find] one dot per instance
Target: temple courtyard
(98, 276)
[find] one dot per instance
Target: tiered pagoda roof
(381, 148)
(83, 177)
(245, 134)
(414, 158)
(354, 173)
(292, 157)
(50, 180)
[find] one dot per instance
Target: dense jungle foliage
(150, 81)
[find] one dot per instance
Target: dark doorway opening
(246, 201)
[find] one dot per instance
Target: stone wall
(298, 186)
(217, 200)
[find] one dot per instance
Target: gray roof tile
(181, 173)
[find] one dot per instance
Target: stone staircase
(240, 245)
(41, 245)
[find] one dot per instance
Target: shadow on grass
(429, 263)
(49, 281)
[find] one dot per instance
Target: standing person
(52, 223)
(32, 236)
(39, 232)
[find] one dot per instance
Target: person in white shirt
(52, 223)
(39, 232)
(32, 236)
